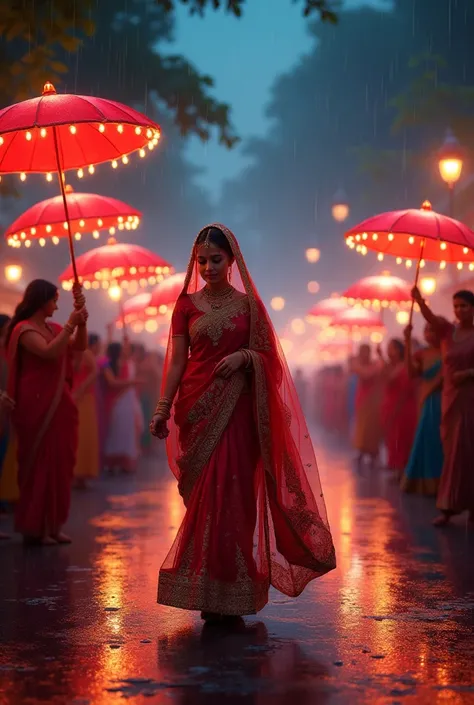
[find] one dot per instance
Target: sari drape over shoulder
(45, 421)
(456, 490)
(240, 450)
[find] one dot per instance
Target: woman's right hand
(407, 332)
(416, 295)
(159, 426)
(78, 317)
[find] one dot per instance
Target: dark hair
(93, 339)
(400, 345)
(37, 294)
(465, 295)
(217, 238)
(4, 321)
(114, 350)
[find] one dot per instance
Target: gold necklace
(218, 299)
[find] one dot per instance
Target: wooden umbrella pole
(122, 316)
(66, 209)
(417, 276)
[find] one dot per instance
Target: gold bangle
(69, 328)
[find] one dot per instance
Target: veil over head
(293, 543)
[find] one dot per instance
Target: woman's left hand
(230, 364)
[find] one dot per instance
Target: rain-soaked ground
(393, 624)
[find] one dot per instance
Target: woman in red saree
(399, 408)
(456, 490)
(45, 417)
(239, 446)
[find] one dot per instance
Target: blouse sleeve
(179, 320)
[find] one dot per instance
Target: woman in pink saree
(456, 490)
(40, 375)
(239, 446)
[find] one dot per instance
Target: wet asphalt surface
(393, 624)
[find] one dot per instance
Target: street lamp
(428, 286)
(13, 273)
(340, 207)
(313, 254)
(450, 164)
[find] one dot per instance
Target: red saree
(399, 417)
(456, 490)
(45, 421)
(240, 450)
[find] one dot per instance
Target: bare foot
(61, 538)
(441, 520)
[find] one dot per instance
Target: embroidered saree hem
(191, 592)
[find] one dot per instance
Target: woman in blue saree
(423, 472)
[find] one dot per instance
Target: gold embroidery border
(198, 592)
(192, 462)
(216, 320)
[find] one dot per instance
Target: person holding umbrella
(45, 418)
(456, 491)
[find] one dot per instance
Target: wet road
(393, 624)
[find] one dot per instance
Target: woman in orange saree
(239, 447)
(367, 433)
(45, 416)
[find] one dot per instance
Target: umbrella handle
(417, 276)
(66, 209)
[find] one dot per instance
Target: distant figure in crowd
(239, 446)
(121, 440)
(45, 419)
(85, 377)
(5, 405)
(300, 386)
(149, 371)
(367, 433)
(399, 411)
(456, 490)
(423, 472)
(95, 346)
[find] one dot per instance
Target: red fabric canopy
(414, 233)
(358, 319)
(326, 308)
(88, 131)
(117, 263)
(381, 291)
(88, 212)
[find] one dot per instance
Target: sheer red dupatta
(292, 540)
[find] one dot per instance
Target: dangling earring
(230, 274)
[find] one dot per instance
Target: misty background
(361, 105)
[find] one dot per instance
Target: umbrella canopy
(358, 319)
(165, 294)
(379, 292)
(413, 234)
(66, 131)
(117, 264)
(88, 213)
(323, 311)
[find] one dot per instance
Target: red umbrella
(379, 292)
(415, 234)
(358, 320)
(61, 132)
(324, 310)
(88, 212)
(117, 264)
(165, 294)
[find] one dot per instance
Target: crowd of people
(414, 406)
(73, 406)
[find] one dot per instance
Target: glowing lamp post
(340, 207)
(450, 164)
(428, 286)
(313, 254)
(13, 273)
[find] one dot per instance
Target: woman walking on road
(456, 490)
(239, 446)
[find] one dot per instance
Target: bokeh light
(277, 303)
(403, 318)
(13, 272)
(313, 287)
(428, 286)
(313, 254)
(115, 293)
(298, 326)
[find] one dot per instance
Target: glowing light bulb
(101, 128)
(73, 129)
(55, 240)
(313, 287)
(13, 272)
(278, 303)
(91, 169)
(428, 286)
(29, 136)
(124, 159)
(120, 128)
(138, 130)
(49, 177)
(43, 132)
(22, 176)
(114, 164)
(142, 153)
(80, 173)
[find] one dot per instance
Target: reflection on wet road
(393, 624)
